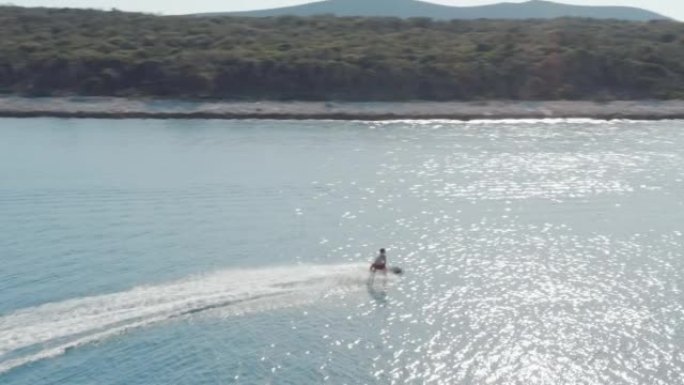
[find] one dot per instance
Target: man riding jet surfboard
(380, 262)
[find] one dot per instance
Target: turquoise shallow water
(218, 252)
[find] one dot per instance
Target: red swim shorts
(378, 266)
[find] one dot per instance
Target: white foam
(49, 330)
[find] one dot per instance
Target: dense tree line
(86, 52)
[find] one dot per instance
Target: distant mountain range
(535, 9)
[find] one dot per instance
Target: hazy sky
(671, 8)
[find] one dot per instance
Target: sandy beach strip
(125, 108)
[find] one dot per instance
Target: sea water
(236, 252)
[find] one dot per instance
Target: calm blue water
(216, 252)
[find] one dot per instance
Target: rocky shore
(124, 108)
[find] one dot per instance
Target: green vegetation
(80, 52)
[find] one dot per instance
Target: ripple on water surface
(536, 252)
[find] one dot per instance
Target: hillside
(80, 52)
(535, 9)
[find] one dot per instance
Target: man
(380, 262)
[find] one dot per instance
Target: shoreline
(125, 108)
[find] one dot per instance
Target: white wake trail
(49, 330)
